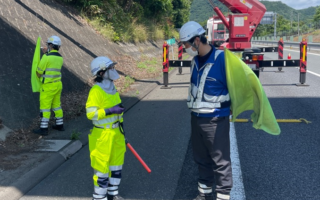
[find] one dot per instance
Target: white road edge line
(237, 192)
(298, 52)
(313, 73)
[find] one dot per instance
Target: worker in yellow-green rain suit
(106, 140)
(49, 72)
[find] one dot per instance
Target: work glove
(114, 110)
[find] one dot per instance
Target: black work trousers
(211, 151)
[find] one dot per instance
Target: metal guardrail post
(180, 50)
(303, 63)
(165, 65)
(280, 52)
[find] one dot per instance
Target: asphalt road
(284, 167)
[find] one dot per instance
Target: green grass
(139, 33)
(142, 65)
(75, 135)
(105, 29)
(149, 64)
(128, 81)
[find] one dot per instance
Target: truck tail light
(260, 57)
(254, 57)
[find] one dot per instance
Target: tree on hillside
(316, 18)
(283, 26)
(156, 9)
(181, 11)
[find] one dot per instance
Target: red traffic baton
(138, 157)
(134, 151)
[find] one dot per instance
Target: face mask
(191, 52)
(111, 74)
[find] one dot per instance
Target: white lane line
(299, 52)
(237, 192)
(313, 73)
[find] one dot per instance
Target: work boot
(207, 197)
(115, 197)
(41, 131)
(58, 127)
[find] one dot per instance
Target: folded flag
(246, 93)
(35, 81)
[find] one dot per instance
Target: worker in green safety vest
(49, 72)
(106, 140)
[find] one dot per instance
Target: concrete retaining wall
(21, 22)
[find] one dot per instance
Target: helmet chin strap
(197, 48)
(48, 48)
(194, 46)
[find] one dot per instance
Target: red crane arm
(254, 8)
(242, 23)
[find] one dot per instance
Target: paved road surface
(284, 167)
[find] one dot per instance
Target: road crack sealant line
(279, 120)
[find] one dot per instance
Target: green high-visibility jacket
(50, 67)
(98, 101)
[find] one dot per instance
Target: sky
(300, 4)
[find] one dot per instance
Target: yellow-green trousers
(50, 94)
(107, 148)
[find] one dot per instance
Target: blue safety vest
(208, 92)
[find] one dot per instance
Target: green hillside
(286, 11)
(201, 10)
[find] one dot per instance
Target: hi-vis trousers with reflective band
(107, 148)
(50, 94)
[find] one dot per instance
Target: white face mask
(191, 52)
(111, 74)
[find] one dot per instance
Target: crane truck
(234, 32)
(239, 27)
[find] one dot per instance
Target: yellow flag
(35, 81)
(246, 93)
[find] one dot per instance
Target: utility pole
(298, 25)
(291, 19)
(275, 26)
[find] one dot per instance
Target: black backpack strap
(54, 54)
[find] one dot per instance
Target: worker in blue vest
(209, 102)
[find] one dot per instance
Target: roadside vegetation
(134, 20)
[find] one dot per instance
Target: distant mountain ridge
(201, 10)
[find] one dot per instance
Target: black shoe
(41, 131)
(58, 127)
(116, 197)
(208, 197)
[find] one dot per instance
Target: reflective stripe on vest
(44, 75)
(107, 120)
(104, 121)
(51, 76)
(196, 93)
(53, 70)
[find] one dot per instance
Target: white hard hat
(100, 63)
(189, 30)
(55, 40)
